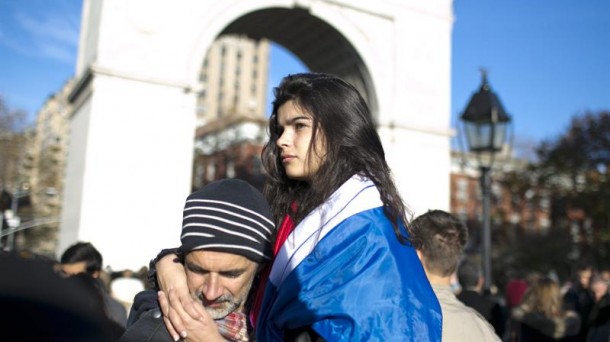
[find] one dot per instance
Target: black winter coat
(145, 321)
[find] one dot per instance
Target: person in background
(83, 257)
(579, 296)
(599, 317)
(515, 289)
(440, 239)
(95, 301)
(541, 316)
(343, 266)
(226, 238)
(471, 280)
(41, 305)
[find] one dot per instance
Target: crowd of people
(59, 300)
(328, 252)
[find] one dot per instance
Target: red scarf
(285, 229)
(233, 327)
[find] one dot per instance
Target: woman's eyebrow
(290, 121)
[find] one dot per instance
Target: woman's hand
(171, 275)
(198, 325)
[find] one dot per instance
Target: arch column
(129, 169)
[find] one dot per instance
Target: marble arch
(130, 153)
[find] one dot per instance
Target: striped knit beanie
(229, 216)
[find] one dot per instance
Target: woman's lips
(287, 158)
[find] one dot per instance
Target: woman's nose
(283, 139)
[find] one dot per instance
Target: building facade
(512, 202)
(231, 112)
(233, 79)
(48, 156)
(230, 148)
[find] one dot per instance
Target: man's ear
(95, 274)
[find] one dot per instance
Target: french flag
(343, 273)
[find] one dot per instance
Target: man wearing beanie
(226, 239)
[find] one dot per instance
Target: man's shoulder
(146, 299)
(145, 322)
(463, 323)
(149, 327)
(143, 302)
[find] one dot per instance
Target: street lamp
(13, 219)
(486, 128)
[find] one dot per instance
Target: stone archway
(132, 128)
(319, 45)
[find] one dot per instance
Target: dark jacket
(599, 321)
(580, 300)
(145, 322)
(116, 310)
(536, 327)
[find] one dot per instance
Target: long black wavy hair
(352, 146)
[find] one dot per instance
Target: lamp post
(14, 221)
(485, 124)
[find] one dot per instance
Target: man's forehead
(219, 261)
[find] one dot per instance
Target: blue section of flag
(358, 284)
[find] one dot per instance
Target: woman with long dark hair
(344, 268)
(332, 190)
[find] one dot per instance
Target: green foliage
(541, 253)
(573, 173)
(576, 166)
(584, 147)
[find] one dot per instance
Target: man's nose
(212, 289)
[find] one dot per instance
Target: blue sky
(547, 59)
(38, 46)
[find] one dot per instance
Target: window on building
(210, 172)
(230, 169)
(545, 203)
(462, 214)
(462, 190)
